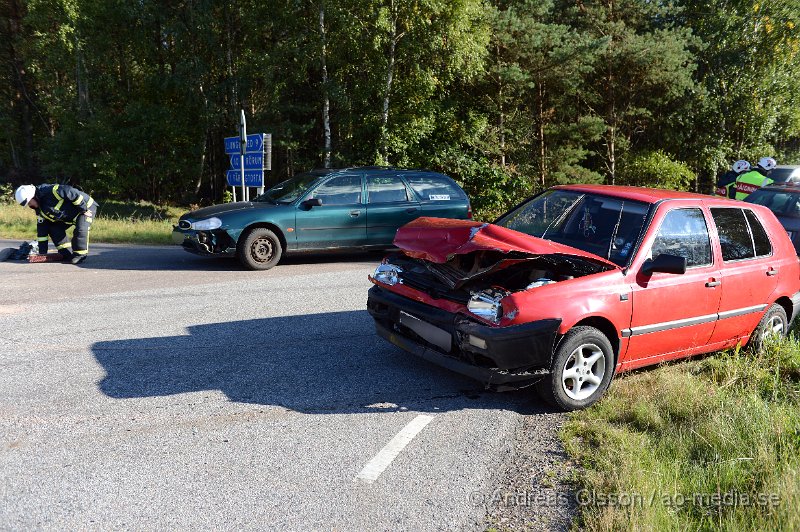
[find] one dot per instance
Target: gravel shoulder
(533, 492)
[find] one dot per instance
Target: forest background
(131, 99)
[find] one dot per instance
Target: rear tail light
(469, 211)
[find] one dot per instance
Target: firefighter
(726, 185)
(751, 181)
(57, 208)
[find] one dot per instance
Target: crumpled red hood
(439, 239)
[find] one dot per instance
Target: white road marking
(385, 456)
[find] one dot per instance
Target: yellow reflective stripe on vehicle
(60, 199)
(62, 246)
(81, 251)
(89, 203)
(41, 238)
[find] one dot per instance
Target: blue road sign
(252, 178)
(255, 144)
(252, 161)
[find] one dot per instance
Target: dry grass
(117, 222)
(698, 445)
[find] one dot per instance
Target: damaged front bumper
(501, 357)
(215, 242)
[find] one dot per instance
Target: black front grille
(185, 224)
(431, 286)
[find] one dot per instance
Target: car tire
(583, 365)
(259, 249)
(774, 322)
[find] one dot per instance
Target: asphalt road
(148, 388)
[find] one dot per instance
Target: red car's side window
(741, 234)
(684, 233)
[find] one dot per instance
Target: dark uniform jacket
(62, 203)
(59, 207)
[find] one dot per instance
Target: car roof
(788, 186)
(645, 195)
(372, 169)
(785, 172)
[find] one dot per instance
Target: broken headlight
(486, 304)
(387, 274)
(207, 224)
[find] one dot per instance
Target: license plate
(430, 333)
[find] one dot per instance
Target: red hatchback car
(583, 281)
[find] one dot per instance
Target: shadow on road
(318, 363)
(105, 257)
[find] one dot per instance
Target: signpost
(242, 151)
(251, 155)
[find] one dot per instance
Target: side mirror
(666, 264)
(312, 202)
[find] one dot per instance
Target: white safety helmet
(741, 166)
(24, 194)
(767, 163)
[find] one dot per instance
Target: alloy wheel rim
(583, 372)
(261, 249)
(775, 328)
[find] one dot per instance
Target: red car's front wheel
(581, 371)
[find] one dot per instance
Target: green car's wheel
(259, 249)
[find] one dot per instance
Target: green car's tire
(259, 249)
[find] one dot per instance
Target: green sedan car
(347, 209)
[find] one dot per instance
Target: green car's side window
(342, 190)
(435, 188)
(385, 189)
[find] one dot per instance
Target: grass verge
(705, 444)
(116, 222)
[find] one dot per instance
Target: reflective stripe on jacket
(749, 182)
(61, 203)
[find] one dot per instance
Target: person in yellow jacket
(751, 181)
(726, 185)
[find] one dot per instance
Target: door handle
(412, 210)
(712, 284)
(355, 214)
(772, 272)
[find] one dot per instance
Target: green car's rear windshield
(289, 190)
(606, 226)
(782, 203)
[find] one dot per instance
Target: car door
(674, 312)
(340, 222)
(750, 270)
(389, 205)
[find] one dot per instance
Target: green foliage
(132, 100)
(656, 170)
(7, 194)
(747, 82)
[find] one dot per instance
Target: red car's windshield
(606, 226)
